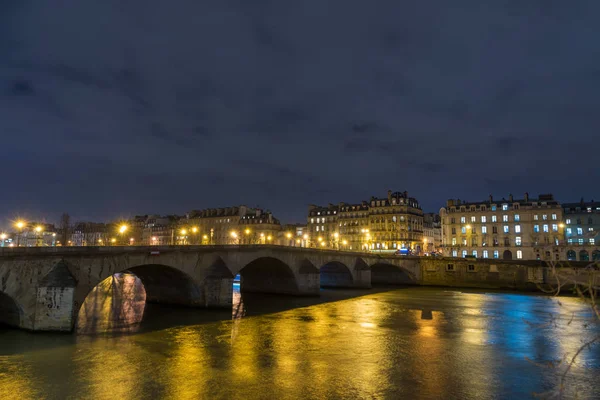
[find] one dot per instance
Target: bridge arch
(10, 312)
(336, 274)
(117, 302)
(388, 274)
(268, 275)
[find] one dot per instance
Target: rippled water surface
(414, 343)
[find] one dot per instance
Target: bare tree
(585, 283)
(65, 228)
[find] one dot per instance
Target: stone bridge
(44, 288)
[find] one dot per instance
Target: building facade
(582, 230)
(230, 225)
(381, 224)
(528, 228)
(432, 233)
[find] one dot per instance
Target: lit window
(569, 231)
(535, 217)
(485, 254)
(506, 230)
(579, 231)
(494, 207)
(317, 228)
(504, 207)
(464, 242)
(568, 221)
(454, 253)
(570, 240)
(517, 228)
(554, 217)
(318, 220)
(519, 254)
(554, 228)
(591, 229)
(484, 229)
(496, 254)
(473, 219)
(464, 253)
(483, 219)
(474, 253)
(494, 218)
(517, 217)
(322, 228)
(463, 229)
(453, 241)
(505, 218)
(463, 220)
(544, 217)
(545, 228)
(518, 241)
(580, 241)
(312, 220)
(592, 241)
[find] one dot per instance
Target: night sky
(115, 108)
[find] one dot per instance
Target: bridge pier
(55, 301)
(218, 292)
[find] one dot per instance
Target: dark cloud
(284, 105)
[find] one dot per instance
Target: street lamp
(234, 236)
(20, 225)
(38, 229)
(122, 229)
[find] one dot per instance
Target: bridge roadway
(43, 288)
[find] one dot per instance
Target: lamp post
(19, 225)
(183, 236)
(194, 234)
(289, 237)
(38, 230)
(234, 237)
(247, 233)
(122, 229)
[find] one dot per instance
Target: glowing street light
(344, 242)
(123, 228)
(194, 230)
(247, 231)
(38, 229)
(269, 238)
(468, 226)
(20, 225)
(336, 235)
(184, 231)
(289, 235)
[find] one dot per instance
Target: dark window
(471, 268)
(450, 267)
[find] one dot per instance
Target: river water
(415, 343)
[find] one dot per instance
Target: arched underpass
(9, 311)
(168, 285)
(387, 274)
(117, 304)
(268, 275)
(336, 275)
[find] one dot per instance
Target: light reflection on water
(115, 305)
(412, 343)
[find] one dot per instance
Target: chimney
(491, 199)
(510, 197)
(389, 196)
(526, 197)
